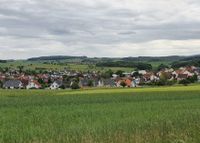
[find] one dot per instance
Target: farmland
(32, 65)
(83, 63)
(153, 115)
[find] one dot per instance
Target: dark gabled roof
(109, 82)
(95, 82)
(84, 82)
(12, 83)
(59, 82)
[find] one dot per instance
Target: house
(148, 77)
(13, 84)
(100, 83)
(127, 81)
(115, 76)
(176, 73)
(182, 76)
(43, 77)
(56, 84)
(136, 82)
(170, 70)
(84, 82)
(142, 72)
(24, 82)
(109, 83)
(95, 82)
(34, 84)
(119, 81)
(2, 77)
(126, 74)
(188, 73)
(182, 73)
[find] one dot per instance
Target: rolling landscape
(168, 113)
(83, 63)
(99, 71)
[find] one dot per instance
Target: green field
(78, 66)
(144, 115)
(70, 66)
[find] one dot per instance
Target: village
(16, 79)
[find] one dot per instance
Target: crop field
(71, 66)
(143, 115)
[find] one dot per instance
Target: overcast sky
(99, 28)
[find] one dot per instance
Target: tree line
(137, 65)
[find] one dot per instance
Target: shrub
(90, 83)
(123, 84)
(193, 79)
(75, 85)
(184, 82)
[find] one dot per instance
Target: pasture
(70, 65)
(29, 65)
(144, 115)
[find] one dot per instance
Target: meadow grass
(143, 115)
(29, 65)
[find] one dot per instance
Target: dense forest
(138, 65)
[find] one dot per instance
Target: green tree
(90, 83)
(1, 84)
(193, 79)
(123, 84)
(20, 68)
(75, 85)
(162, 66)
(120, 73)
(136, 74)
(107, 74)
(184, 82)
(41, 81)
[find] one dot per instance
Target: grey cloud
(87, 25)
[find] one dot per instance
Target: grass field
(145, 115)
(34, 65)
(71, 66)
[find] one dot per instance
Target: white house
(33, 84)
(142, 72)
(135, 82)
(56, 85)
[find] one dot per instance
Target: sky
(99, 28)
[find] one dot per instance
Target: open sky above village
(99, 28)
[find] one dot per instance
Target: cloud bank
(99, 28)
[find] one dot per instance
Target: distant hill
(55, 58)
(3, 61)
(191, 58)
(152, 59)
(142, 61)
(87, 59)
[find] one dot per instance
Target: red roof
(37, 83)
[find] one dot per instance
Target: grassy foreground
(147, 115)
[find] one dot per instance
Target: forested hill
(3, 61)
(105, 59)
(56, 58)
(139, 62)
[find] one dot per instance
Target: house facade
(34, 84)
(13, 84)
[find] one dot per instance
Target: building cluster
(66, 79)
